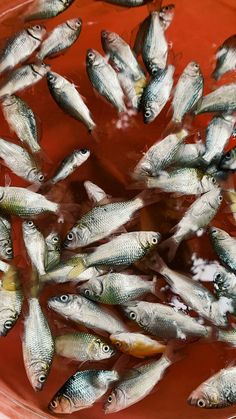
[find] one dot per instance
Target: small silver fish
(222, 99)
(137, 344)
(46, 9)
(224, 246)
(61, 38)
(225, 57)
(22, 121)
(20, 162)
(82, 390)
(37, 345)
(104, 79)
(11, 300)
(217, 391)
(23, 77)
(6, 246)
(21, 46)
(69, 164)
(82, 311)
(53, 253)
(83, 347)
(136, 385)
(188, 91)
(228, 160)
(35, 246)
(156, 94)
(69, 100)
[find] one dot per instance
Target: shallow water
(197, 29)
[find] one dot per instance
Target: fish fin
(8, 180)
(77, 270)
(34, 284)
(174, 351)
(34, 187)
(121, 364)
(9, 280)
(170, 246)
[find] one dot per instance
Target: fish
(25, 203)
(228, 160)
(197, 217)
(123, 250)
(133, 90)
(53, 252)
(82, 390)
(37, 345)
(22, 121)
(104, 79)
(46, 9)
(35, 246)
(222, 99)
(20, 162)
(217, 391)
(160, 155)
(136, 384)
(23, 77)
(6, 245)
(121, 55)
(224, 283)
(116, 288)
(194, 294)
(225, 58)
(82, 311)
(164, 321)
(94, 192)
(155, 46)
(218, 134)
(184, 181)
(166, 15)
(21, 46)
(102, 220)
(69, 99)
(137, 344)
(224, 246)
(83, 347)
(227, 336)
(189, 155)
(69, 164)
(60, 39)
(11, 300)
(128, 3)
(156, 94)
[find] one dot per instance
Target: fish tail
(34, 284)
(146, 198)
(170, 246)
(157, 264)
(173, 352)
(216, 74)
(77, 270)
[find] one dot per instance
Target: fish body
(137, 344)
(188, 91)
(83, 347)
(21, 46)
(82, 390)
(156, 94)
(20, 162)
(69, 100)
(46, 9)
(22, 121)
(228, 160)
(11, 300)
(23, 77)
(116, 288)
(136, 385)
(189, 155)
(228, 336)
(224, 246)
(53, 251)
(163, 321)
(24, 203)
(217, 391)
(61, 38)
(222, 99)
(225, 57)
(70, 164)
(104, 79)
(82, 311)
(37, 345)
(35, 246)
(6, 246)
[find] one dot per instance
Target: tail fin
(171, 246)
(146, 198)
(77, 270)
(216, 74)
(157, 264)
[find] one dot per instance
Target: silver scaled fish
(222, 99)
(53, 253)
(69, 164)
(228, 160)
(46, 9)
(35, 246)
(224, 246)
(225, 57)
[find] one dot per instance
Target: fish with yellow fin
(137, 344)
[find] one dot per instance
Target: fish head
(72, 238)
(41, 68)
(64, 304)
(219, 279)
(121, 341)
(8, 318)
(75, 24)
(60, 404)
(81, 155)
(53, 241)
(166, 15)
(214, 198)
(92, 289)
(54, 80)
(208, 182)
(35, 176)
(149, 239)
(115, 401)
(38, 373)
(228, 159)
(93, 58)
(150, 112)
(108, 38)
(37, 31)
(135, 311)
(153, 68)
(207, 396)
(218, 234)
(29, 227)
(6, 249)
(9, 100)
(192, 69)
(101, 349)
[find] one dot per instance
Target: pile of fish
(121, 267)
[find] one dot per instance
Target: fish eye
(201, 403)
(70, 236)
(154, 71)
(83, 151)
(87, 292)
(132, 315)
(213, 180)
(220, 198)
(147, 114)
(106, 348)
(8, 324)
(196, 66)
(53, 404)
(154, 240)
(110, 399)
(42, 378)
(90, 55)
(41, 178)
(64, 298)
(217, 276)
(55, 239)
(51, 77)
(37, 27)
(228, 155)
(9, 251)
(214, 231)
(30, 223)
(118, 344)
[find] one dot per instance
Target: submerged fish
(225, 57)
(164, 321)
(69, 164)
(104, 79)
(225, 283)
(217, 391)
(83, 347)
(69, 100)
(62, 37)
(20, 162)
(46, 9)
(188, 91)
(137, 344)
(136, 384)
(35, 246)
(6, 246)
(82, 311)
(11, 300)
(156, 94)
(117, 288)
(53, 252)
(82, 390)
(222, 99)
(224, 246)
(22, 121)
(23, 77)
(21, 46)
(228, 160)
